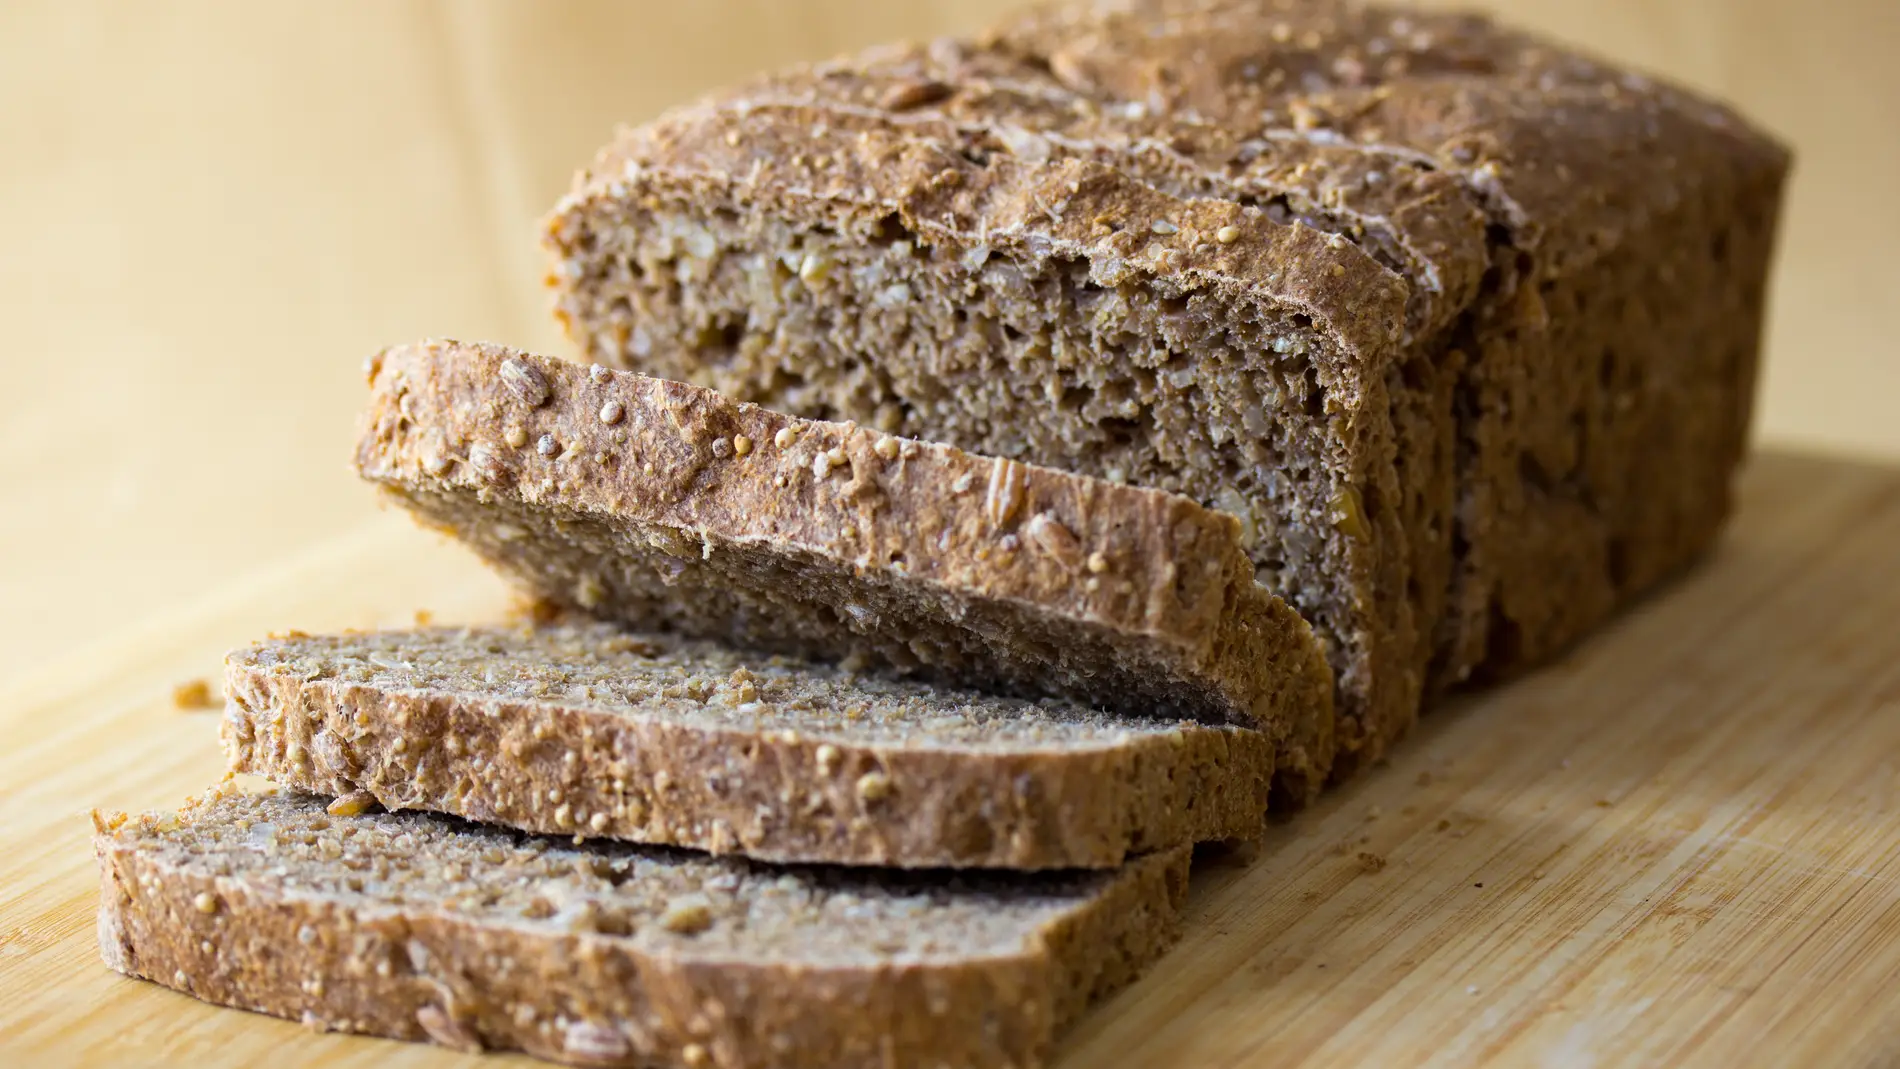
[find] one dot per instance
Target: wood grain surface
(1675, 847)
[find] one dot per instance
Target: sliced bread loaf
(667, 506)
(424, 928)
(1462, 324)
(588, 731)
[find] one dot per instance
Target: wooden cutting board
(1678, 846)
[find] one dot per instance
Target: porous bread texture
(665, 506)
(424, 928)
(1464, 326)
(589, 731)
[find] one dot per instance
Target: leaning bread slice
(666, 505)
(424, 928)
(584, 730)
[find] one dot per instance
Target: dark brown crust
(971, 569)
(411, 973)
(1576, 373)
(556, 767)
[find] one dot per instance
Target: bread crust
(220, 931)
(827, 539)
(1579, 254)
(598, 769)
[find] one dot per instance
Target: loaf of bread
(668, 507)
(592, 732)
(1461, 325)
(424, 928)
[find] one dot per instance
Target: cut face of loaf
(590, 731)
(423, 928)
(1463, 326)
(669, 507)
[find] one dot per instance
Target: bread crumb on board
(194, 695)
(353, 804)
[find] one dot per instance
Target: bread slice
(666, 506)
(1462, 324)
(425, 928)
(588, 731)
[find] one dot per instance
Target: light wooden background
(211, 211)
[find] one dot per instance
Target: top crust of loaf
(1550, 139)
(1406, 133)
(1142, 587)
(815, 160)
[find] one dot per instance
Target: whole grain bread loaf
(424, 928)
(593, 732)
(1462, 325)
(665, 506)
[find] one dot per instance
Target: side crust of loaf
(660, 504)
(562, 767)
(386, 968)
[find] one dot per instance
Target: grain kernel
(687, 917)
(1349, 514)
(886, 448)
(1227, 235)
(913, 93)
(525, 381)
(741, 445)
(612, 412)
(828, 758)
(195, 694)
(815, 269)
(1162, 226)
(1054, 538)
(874, 786)
(205, 903)
(353, 804)
(1098, 562)
(486, 463)
(599, 375)
(785, 437)
(516, 437)
(547, 446)
(1007, 491)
